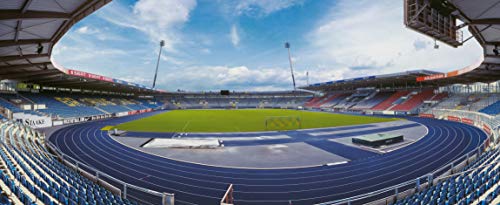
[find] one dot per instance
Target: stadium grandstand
(74, 137)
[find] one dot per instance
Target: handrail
(227, 199)
(167, 198)
(395, 187)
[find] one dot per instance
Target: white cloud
(86, 30)
(100, 34)
(158, 19)
(263, 7)
(205, 51)
(226, 77)
(164, 14)
(234, 35)
(370, 36)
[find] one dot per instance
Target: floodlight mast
(287, 46)
(162, 43)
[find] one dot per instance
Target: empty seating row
(32, 176)
(463, 188)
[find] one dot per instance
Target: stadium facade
(37, 93)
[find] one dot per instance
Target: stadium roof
(28, 31)
(483, 21)
(28, 25)
(401, 79)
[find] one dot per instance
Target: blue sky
(238, 45)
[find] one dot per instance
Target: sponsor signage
(135, 112)
(487, 129)
(451, 73)
(431, 77)
(89, 75)
(426, 115)
(467, 121)
(83, 74)
(34, 121)
(453, 118)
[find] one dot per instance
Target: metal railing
(228, 199)
(399, 191)
(117, 186)
(492, 121)
(390, 194)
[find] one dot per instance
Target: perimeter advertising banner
(139, 111)
(82, 74)
(452, 73)
(431, 77)
(487, 129)
(33, 121)
(426, 115)
(467, 121)
(453, 118)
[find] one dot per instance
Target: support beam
(36, 79)
(18, 15)
(67, 83)
(61, 78)
(18, 29)
(485, 21)
(19, 57)
(491, 56)
(26, 6)
(27, 74)
(6, 43)
(23, 66)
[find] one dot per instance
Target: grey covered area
(289, 155)
(284, 149)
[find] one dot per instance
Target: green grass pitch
(238, 120)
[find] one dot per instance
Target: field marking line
(185, 126)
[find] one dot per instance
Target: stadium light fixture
(287, 46)
(162, 43)
(436, 46)
(39, 49)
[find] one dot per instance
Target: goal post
(283, 123)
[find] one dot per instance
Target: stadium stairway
(312, 101)
(384, 105)
(316, 102)
(372, 101)
(335, 101)
(414, 101)
(439, 97)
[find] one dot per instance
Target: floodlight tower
(287, 46)
(162, 43)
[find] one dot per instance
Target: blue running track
(199, 184)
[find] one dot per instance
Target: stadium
(411, 137)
